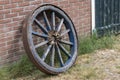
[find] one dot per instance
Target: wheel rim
(51, 38)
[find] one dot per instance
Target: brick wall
(13, 12)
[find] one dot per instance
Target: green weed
(90, 44)
(21, 68)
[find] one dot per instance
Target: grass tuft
(4, 74)
(21, 68)
(90, 44)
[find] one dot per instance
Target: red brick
(3, 21)
(6, 39)
(3, 62)
(29, 8)
(17, 10)
(18, 18)
(12, 42)
(25, 3)
(10, 34)
(72, 1)
(2, 44)
(35, 2)
(12, 24)
(7, 56)
(2, 2)
(8, 29)
(17, 31)
(17, 28)
(1, 7)
(17, 44)
(56, 3)
(13, 59)
(2, 35)
(3, 48)
(9, 6)
(1, 31)
(63, 4)
(20, 53)
(2, 53)
(16, 1)
(11, 15)
(4, 11)
(10, 47)
(47, 1)
(17, 36)
(1, 16)
(13, 50)
(24, 13)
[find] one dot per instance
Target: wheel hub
(53, 37)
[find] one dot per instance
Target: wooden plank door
(107, 16)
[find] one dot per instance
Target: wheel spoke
(46, 20)
(65, 32)
(60, 25)
(59, 56)
(41, 44)
(53, 20)
(53, 56)
(66, 42)
(41, 26)
(46, 52)
(64, 50)
(39, 34)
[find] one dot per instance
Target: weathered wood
(107, 16)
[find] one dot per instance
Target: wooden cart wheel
(50, 39)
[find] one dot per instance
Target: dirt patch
(106, 63)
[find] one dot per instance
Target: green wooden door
(107, 16)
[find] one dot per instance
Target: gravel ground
(107, 64)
